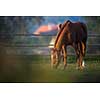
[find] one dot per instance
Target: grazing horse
(74, 34)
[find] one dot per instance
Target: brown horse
(74, 34)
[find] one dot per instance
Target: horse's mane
(58, 34)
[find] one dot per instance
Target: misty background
(25, 52)
(13, 31)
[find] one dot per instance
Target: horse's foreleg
(64, 55)
(57, 59)
(51, 59)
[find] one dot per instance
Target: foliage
(10, 25)
(15, 24)
(93, 23)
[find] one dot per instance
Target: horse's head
(55, 57)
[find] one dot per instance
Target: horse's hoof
(77, 68)
(81, 68)
(65, 66)
(63, 69)
(53, 67)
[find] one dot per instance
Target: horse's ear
(69, 23)
(59, 26)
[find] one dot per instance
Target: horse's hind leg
(64, 55)
(83, 48)
(83, 52)
(79, 55)
(80, 61)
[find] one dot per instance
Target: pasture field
(37, 69)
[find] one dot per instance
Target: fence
(30, 44)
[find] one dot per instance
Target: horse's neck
(60, 40)
(59, 32)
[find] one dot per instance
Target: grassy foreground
(37, 69)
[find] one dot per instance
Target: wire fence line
(35, 35)
(37, 45)
(42, 48)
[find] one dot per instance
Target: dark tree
(93, 23)
(10, 25)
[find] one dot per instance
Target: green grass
(38, 69)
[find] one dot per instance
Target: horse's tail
(84, 27)
(83, 43)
